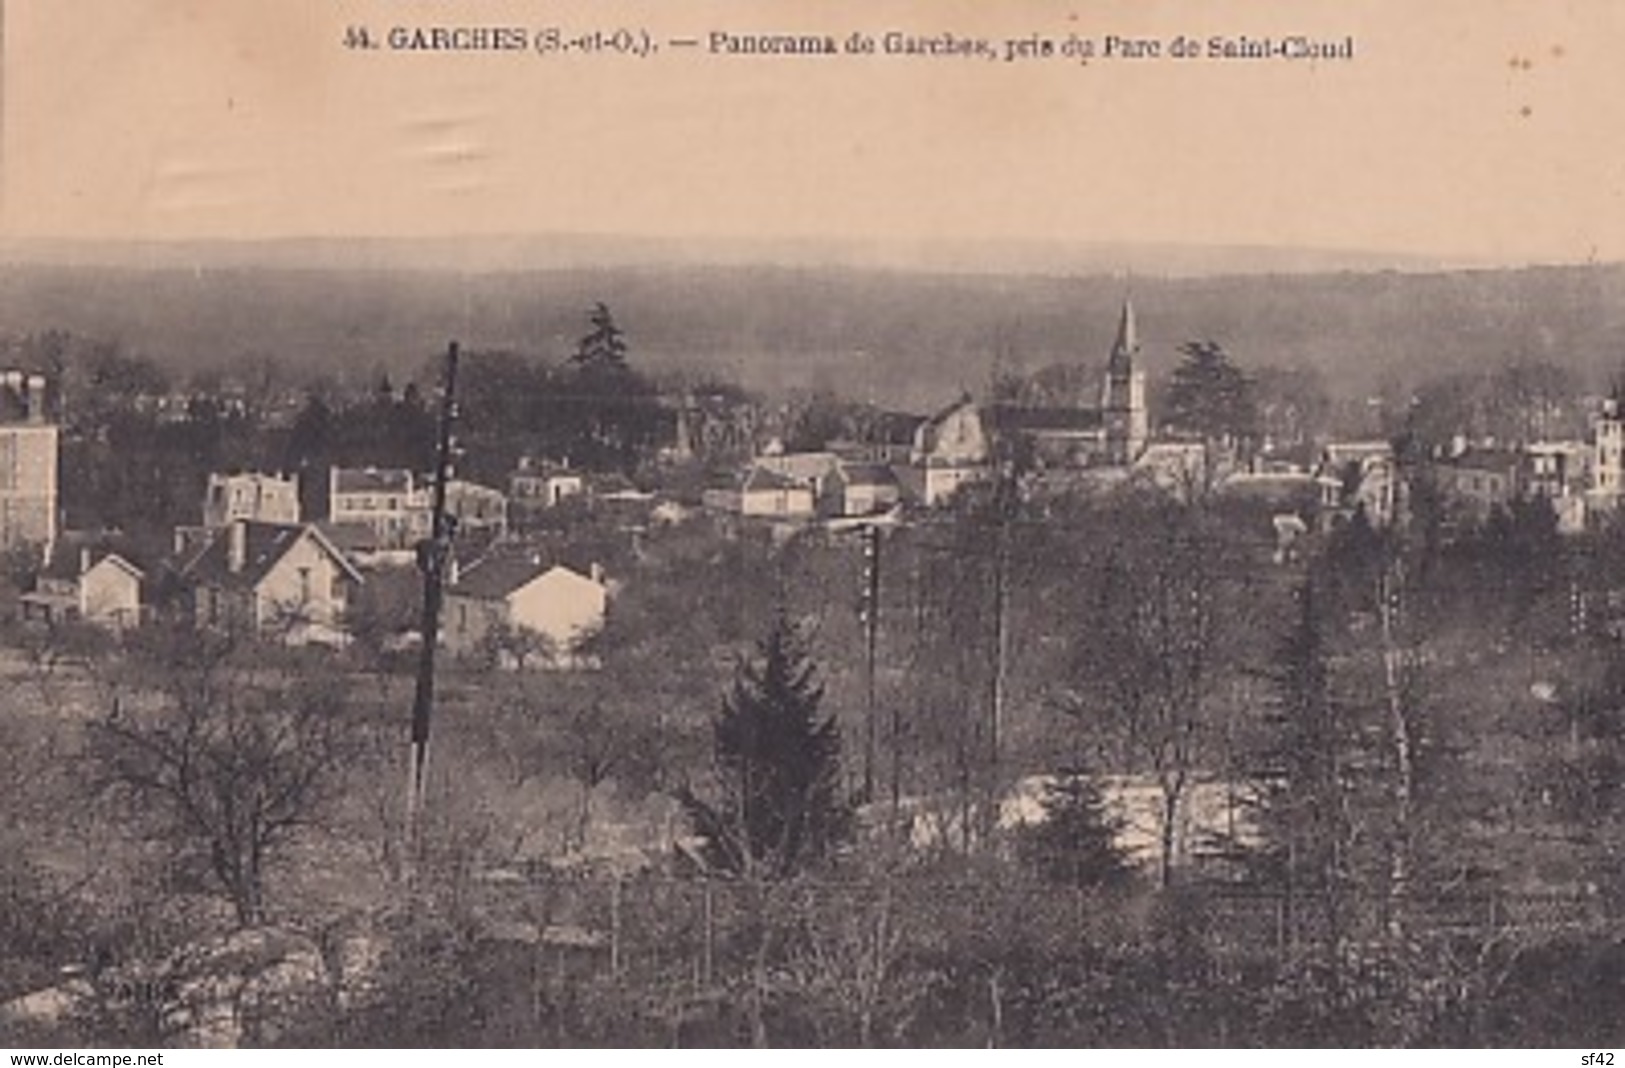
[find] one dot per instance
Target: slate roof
(494, 577)
(351, 537)
(1282, 489)
(760, 478)
(861, 474)
(371, 480)
(265, 544)
(893, 428)
(1341, 452)
(1499, 461)
(941, 414)
(1018, 419)
(66, 558)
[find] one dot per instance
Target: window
(304, 585)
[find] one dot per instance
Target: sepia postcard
(812, 523)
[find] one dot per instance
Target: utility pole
(1396, 664)
(433, 555)
(869, 616)
(1004, 503)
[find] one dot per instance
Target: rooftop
(371, 480)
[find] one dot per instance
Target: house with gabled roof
(283, 581)
(812, 468)
(860, 489)
(883, 437)
(951, 448)
(519, 605)
(763, 494)
(86, 581)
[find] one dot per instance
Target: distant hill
(482, 254)
(892, 335)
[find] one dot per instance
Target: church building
(963, 442)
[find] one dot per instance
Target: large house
(278, 580)
(28, 462)
(250, 495)
(953, 448)
(1481, 480)
(514, 604)
(540, 484)
(1367, 478)
(384, 499)
(1607, 480)
(475, 509)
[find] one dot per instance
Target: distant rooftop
(371, 480)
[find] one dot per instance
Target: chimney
(236, 546)
(596, 572)
(84, 559)
(35, 402)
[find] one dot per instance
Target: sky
(1484, 131)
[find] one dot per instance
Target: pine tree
(1076, 843)
(1210, 396)
(1298, 792)
(780, 808)
(604, 346)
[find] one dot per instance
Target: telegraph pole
(1004, 504)
(869, 616)
(433, 555)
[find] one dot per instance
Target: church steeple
(1127, 345)
(1122, 395)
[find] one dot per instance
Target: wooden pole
(871, 639)
(615, 927)
(433, 555)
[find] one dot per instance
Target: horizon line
(507, 253)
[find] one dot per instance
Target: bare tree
(227, 761)
(1146, 666)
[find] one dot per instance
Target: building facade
(250, 495)
(29, 447)
(385, 499)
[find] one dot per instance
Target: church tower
(1122, 395)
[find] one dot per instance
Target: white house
(1607, 479)
(87, 584)
(859, 489)
(763, 494)
(951, 448)
(506, 601)
(285, 581)
(250, 495)
(1369, 473)
(815, 469)
(537, 483)
(385, 499)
